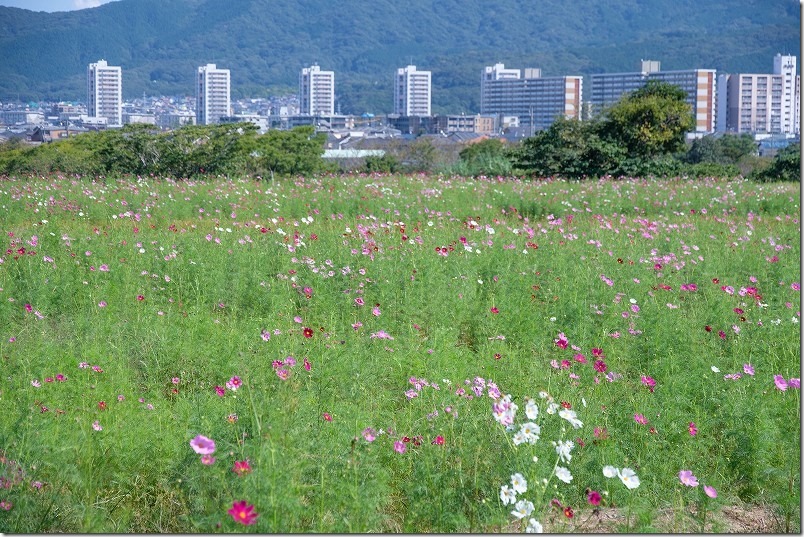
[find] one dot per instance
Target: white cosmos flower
(518, 483)
(522, 509)
(552, 406)
(629, 478)
(531, 410)
(563, 448)
(534, 526)
(610, 471)
(530, 431)
(507, 495)
(563, 474)
(715, 369)
(519, 438)
(571, 417)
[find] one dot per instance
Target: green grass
(198, 270)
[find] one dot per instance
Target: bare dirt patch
(728, 519)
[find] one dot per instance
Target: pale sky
(53, 5)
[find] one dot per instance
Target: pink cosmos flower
(376, 311)
(234, 383)
(207, 460)
(380, 334)
(359, 301)
(794, 383)
(781, 384)
(561, 342)
(203, 445)
(369, 434)
(242, 468)
(710, 491)
(748, 369)
(438, 441)
(243, 513)
(307, 364)
(639, 418)
(327, 416)
(220, 391)
(692, 429)
(600, 366)
(649, 382)
(399, 446)
(97, 426)
(687, 478)
(593, 497)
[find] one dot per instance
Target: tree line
(643, 134)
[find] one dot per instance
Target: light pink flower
(710, 491)
(687, 478)
(203, 445)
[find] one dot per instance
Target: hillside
(265, 43)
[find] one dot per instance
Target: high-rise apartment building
(213, 94)
(537, 101)
(316, 91)
(105, 92)
(412, 92)
(762, 103)
(699, 85)
(785, 66)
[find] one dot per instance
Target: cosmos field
(398, 354)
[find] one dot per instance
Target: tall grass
(399, 299)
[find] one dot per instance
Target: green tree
(650, 121)
(735, 147)
(786, 166)
(568, 148)
(486, 157)
(384, 164)
(293, 152)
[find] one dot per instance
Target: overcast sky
(53, 5)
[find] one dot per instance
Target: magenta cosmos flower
(780, 382)
(243, 513)
(203, 445)
(710, 491)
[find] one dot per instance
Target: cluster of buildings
(511, 100)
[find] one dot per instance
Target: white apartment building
(412, 92)
(535, 100)
(316, 91)
(213, 94)
(699, 85)
(763, 103)
(105, 92)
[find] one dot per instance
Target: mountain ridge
(265, 43)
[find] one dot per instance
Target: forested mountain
(160, 43)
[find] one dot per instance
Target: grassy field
(397, 354)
